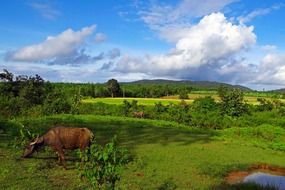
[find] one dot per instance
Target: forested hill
(281, 90)
(196, 85)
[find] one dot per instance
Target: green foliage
(204, 105)
(113, 87)
(103, 165)
(232, 102)
(6, 76)
(57, 102)
(265, 136)
(211, 120)
(30, 96)
(10, 107)
(75, 103)
(264, 104)
(126, 107)
(22, 134)
(134, 105)
(183, 94)
(159, 107)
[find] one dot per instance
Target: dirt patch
(238, 176)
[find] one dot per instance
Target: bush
(56, 103)
(103, 165)
(212, 120)
(264, 105)
(204, 104)
(183, 94)
(232, 102)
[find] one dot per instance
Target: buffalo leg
(61, 155)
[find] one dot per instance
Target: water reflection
(266, 179)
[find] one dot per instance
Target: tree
(232, 102)
(6, 76)
(113, 87)
(183, 94)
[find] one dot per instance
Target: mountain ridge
(209, 85)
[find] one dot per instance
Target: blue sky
(233, 41)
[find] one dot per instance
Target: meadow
(176, 144)
(166, 155)
(249, 97)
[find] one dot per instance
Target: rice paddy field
(250, 98)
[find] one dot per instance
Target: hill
(281, 90)
(197, 85)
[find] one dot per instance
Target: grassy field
(250, 98)
(141, 101)
(165, 154)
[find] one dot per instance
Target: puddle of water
(262, 174)
(266, 179)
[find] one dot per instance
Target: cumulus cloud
(78, 58)
(159, 17)
(272, 70)
(54, 47)
(207, 47)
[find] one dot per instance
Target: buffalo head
(31, 147)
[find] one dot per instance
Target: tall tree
(113, 87)
(232, 101)
(6, 76)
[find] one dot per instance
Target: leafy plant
(24, 135)
(232, 102)
(104, 164)
(183, 94)
(204, 104)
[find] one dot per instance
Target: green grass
(141, 101)
(250, 99)
(165, 154)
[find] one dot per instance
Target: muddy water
(261, 174)
(264, 179)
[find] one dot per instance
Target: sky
(232, 41)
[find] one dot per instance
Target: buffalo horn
(32, 143)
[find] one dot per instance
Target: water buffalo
(59, 139)
(139, 114)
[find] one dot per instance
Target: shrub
(232, 102)
(264, 105)
(183, 94)
(22, 134)
(57, 102)
(204, 104)
(159, 108)
(104, 164)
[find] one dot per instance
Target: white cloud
(62, 45)
(100, 37)
(272, 70)
(160, 16)
(209, 45)
(114, 53)
(269, 48)
(259, 12)
(46, 10)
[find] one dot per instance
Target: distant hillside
(197, 85)
(282, 90)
